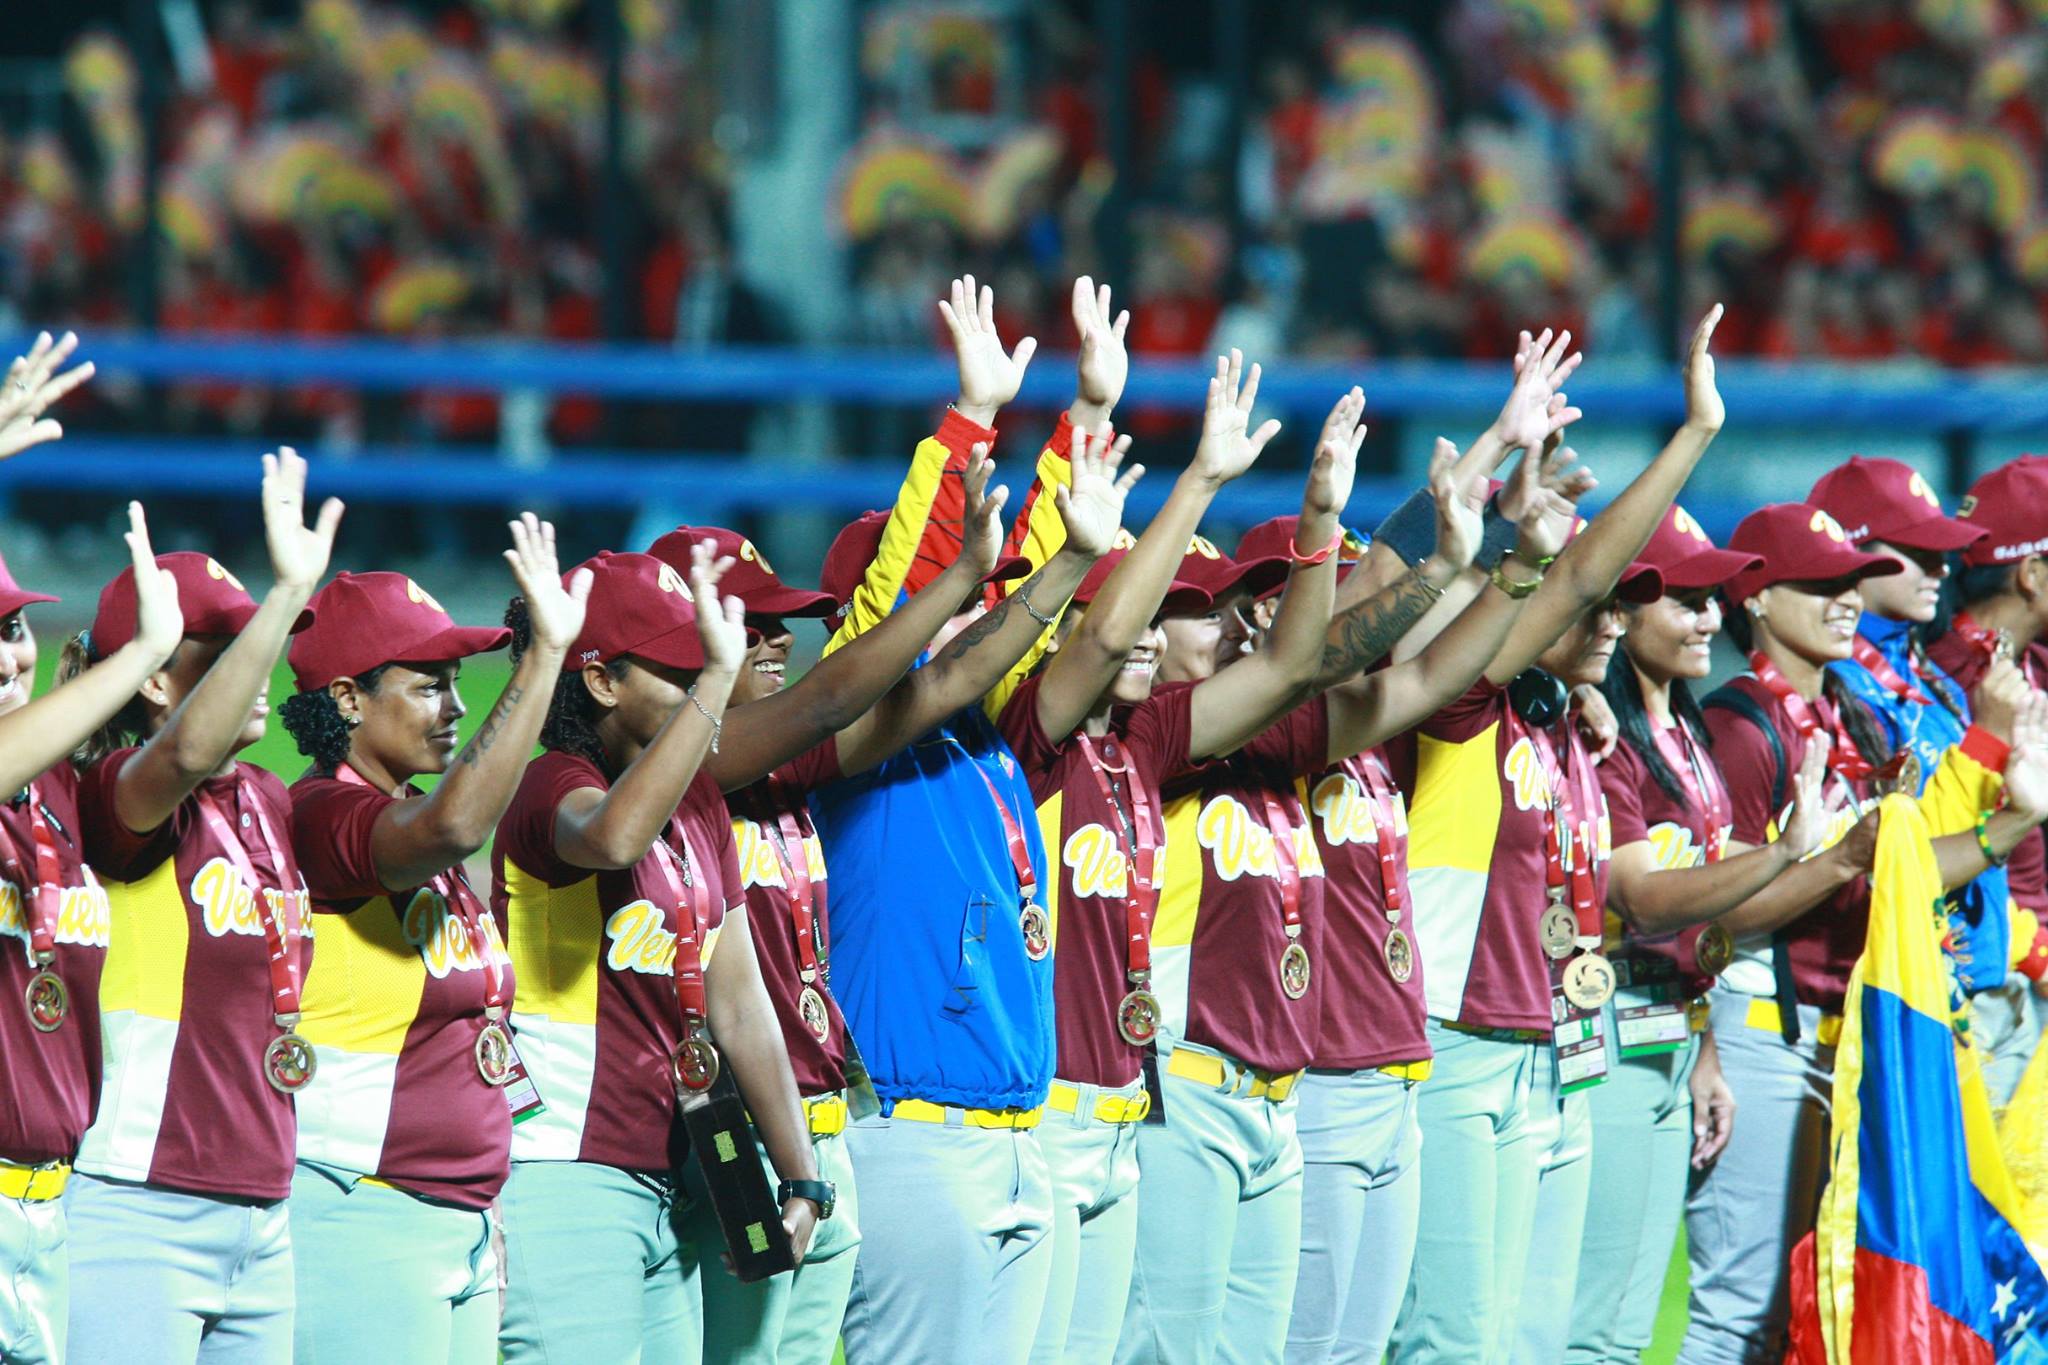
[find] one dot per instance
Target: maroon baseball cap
(1681, 553)
(1217, 574)
(362, 620)
(13, 597)
(1889, 501)
(2011, 504)
(639, 605)
(1182, 599)
(853, 549)
(1274, 539)
(1640, 582)
(1799, 543)
(213, 600)
(751, 578)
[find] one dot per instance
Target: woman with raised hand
(404, 1134)
(616, 877)
(177, 1211)
(1665, 1109)
(51, 902)
(31, 385)
(1507, 862)
(1776, 1010)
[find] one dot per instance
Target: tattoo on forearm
(494, 724)
(1358, 635)
(991, 622)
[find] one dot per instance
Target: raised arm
(415, 841)
(1087, 662)
(1236, 703)
(31, 387)
(615, 827)
(36, 737)
(1590, 567)
(200, 735)
(989, 649)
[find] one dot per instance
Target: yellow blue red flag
(1917, 1254)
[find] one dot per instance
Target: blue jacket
(1979, 921)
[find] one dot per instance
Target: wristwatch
(823, 1193)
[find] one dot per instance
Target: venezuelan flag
(1916, 1256)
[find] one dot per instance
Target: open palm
(1093, 506)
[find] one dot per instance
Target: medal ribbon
(1284, 868)
(1141, 887)
(286, 968)
(793, 852)
(1569, 855)
(693, 915)
(1709, 794)
(42, 894)
(1393, 865)
(1888, 678)
(461, 899)
(1808, 717)
(1989, 643)
(1013, 833)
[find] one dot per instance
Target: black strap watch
(823, 1193)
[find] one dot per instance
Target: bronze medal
(1713, 950)
(1294, 971)
(1560, 930)
(811, 1006)
(1589, 981)
(1400, 956)
(49, 1000)
(494, 1054)
(1137, 1017)
(1037, 931)
(288, 1063)
(2002, 647)
(693, 1066)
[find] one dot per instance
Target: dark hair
(1967, 585)
(315, 722)
(1624, 693)
(129, 725)
(1864, 731)
(571, 724)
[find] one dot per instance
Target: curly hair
(315, 722)
(571, 724)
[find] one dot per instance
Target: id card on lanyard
(1578, 1042)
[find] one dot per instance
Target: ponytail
(129, 725)
(1856, 719)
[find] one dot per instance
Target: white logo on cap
(747, 551)
(421, 595)
(218, 573)
(671, 581)
(1827, 525)
(1200, 546)
(1682, 520)
(1917, 486)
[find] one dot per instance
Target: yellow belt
(1065, 1099)
(1211, 1070)
(36, 1184)
(1698, 1014)
(923, 1111)
(1764, 1014)
(827, 1115)
(1408, 1071)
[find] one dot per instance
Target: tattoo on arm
(1362, 633)
(991, 622)
(494, 724)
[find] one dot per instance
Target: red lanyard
(1380, 797)
(793, 851)
(1709, 794)
(1808, 717)
(1141, 887)
(1570, 854)
(693, 916)
(1991, 644)
(462, 901)
(1284, 863)
(278, 932)
(1887, 677)
(1020, 852)
(43, 896)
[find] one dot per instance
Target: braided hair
(315, 722)
(571, 724)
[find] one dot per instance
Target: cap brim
(1259, 577)
(235, 619)
(456, 642)
(1184, 599)
(1640, 583)
(1936, 533)
(1848, 566)
(1707, 569)
(1007, 568)
(12, 602)
(682, 647)
(788, 601)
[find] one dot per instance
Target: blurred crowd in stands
(1860, 182)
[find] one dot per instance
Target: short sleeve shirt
(1088, 842)
(1678, 833)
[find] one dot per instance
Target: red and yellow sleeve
(2029, 943)
(1968, 782)
(1037, 533)
(915, 541)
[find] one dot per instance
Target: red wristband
(1310, 561)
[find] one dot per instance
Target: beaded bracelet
(1984, 841)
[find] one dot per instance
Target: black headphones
(1539, 698)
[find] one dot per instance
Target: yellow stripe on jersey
(1180, 897)
(554, 933)
(366, 983)
(1456, 812)
(879, 588)
(1049, 830)
(1044, 532)
(148, 937)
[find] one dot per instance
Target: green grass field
(484, 676)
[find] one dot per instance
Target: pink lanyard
(43, 894)
(792, 851)
(1284, 867)
(1809, 717)
(693, 913)
(285, 966)
(1141, 891)
(1380, 794)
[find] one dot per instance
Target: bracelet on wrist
(1515, 588)
(717, 722)
(1310, 561)
(1984, 841)
(1023, 595)
(1540, 563)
